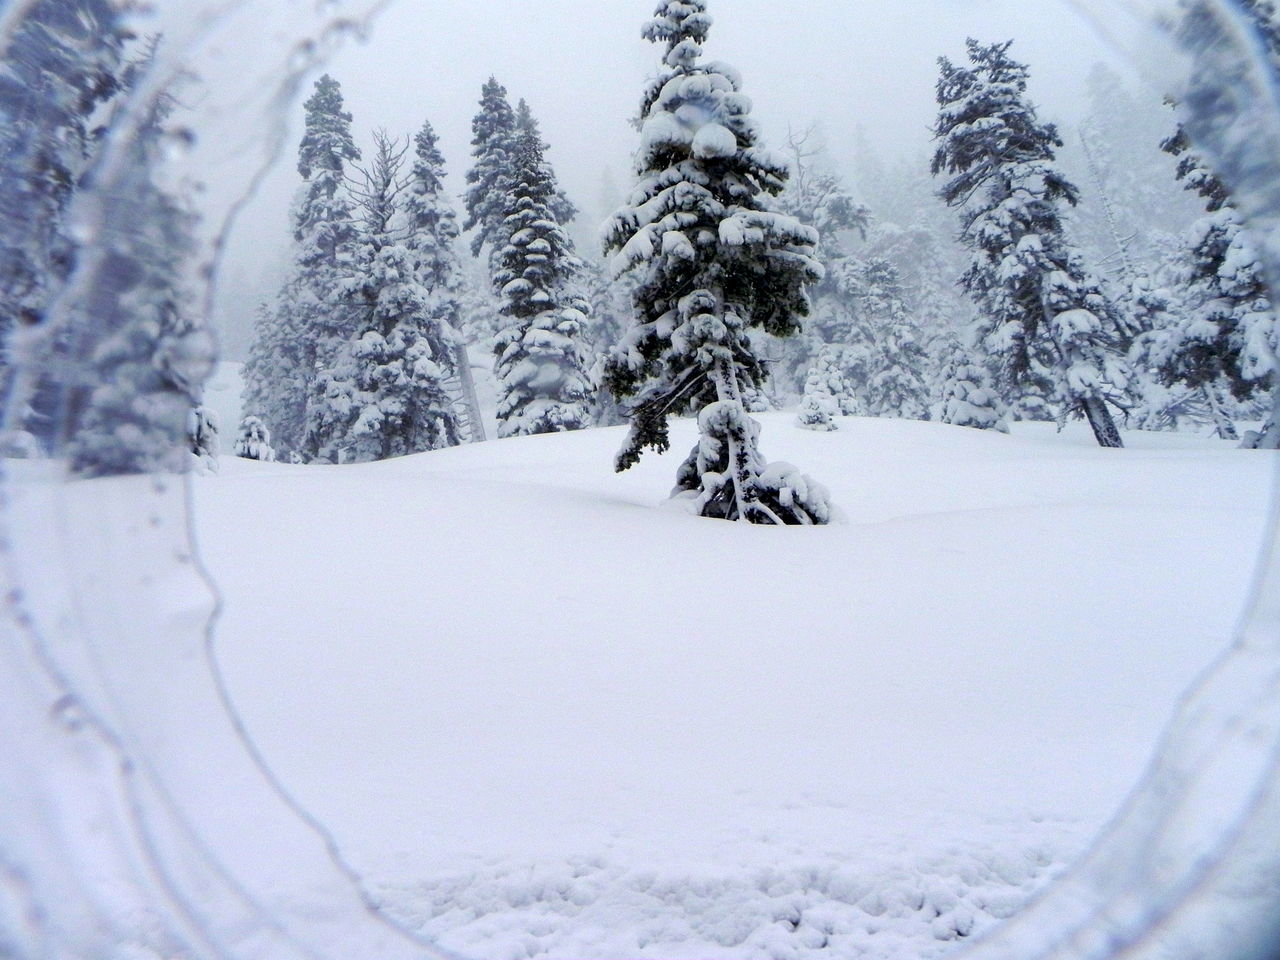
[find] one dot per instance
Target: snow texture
(782, 783)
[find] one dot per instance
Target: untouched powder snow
(546, 715)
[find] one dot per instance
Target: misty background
(859, 75)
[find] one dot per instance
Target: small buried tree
(967, 397)
(254, 441)
(714, 260)
(826, 392)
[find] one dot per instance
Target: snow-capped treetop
(431, 224)
(494, 131)
(526, 124)
(322, 223)
(683, 25)
(327, 142)
(985, 121)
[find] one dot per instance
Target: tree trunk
(1104, 427)
(727, 391)
(1269, 438)
(467, 382)
(1222, 423)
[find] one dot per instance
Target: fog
(860, 73)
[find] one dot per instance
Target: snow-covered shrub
(968, 398)
(254, 441)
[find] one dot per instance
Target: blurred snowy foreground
(546, 716)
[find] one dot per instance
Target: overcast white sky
(841, 64)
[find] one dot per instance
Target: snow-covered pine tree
(927, 264)
(432, 240)
(432, 230)
(148, 355)
(1244, 323)
(897, 388)
(1223, 340)
(715, 260)
(489, 179)
(64, 61)
(279, 368)
(306, 333)
(817, 197)
(967, 397)
(543, 385)
(1041, 311)
(401, 357)
(826, 392)
(527, 126)
(254, 441)
(318, 309)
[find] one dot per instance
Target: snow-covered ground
(546, 715)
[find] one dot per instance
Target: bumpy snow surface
(546, 716)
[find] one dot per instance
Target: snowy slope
(546, 715)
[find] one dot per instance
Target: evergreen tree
(1042, 313)
(715, 261)
(432, 232)
(489, 181)
(818, 198)
(1223, 341)
(297, 374)
(826, 392)
(432, 240)
(402, 354)
(326, 235)
(926, 265)
(137, 332)
(64, 61)
(897, 387)
(280, 366)
(254, 441)
(543, 386)
(1238, 329)
(967, 397)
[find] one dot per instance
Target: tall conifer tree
(1226, 343)
(150, 355)
(489, 179)
(401, 357)
(1042, 314)
(543, 385)
(297, 377)
(65, 60)
(715, 261)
